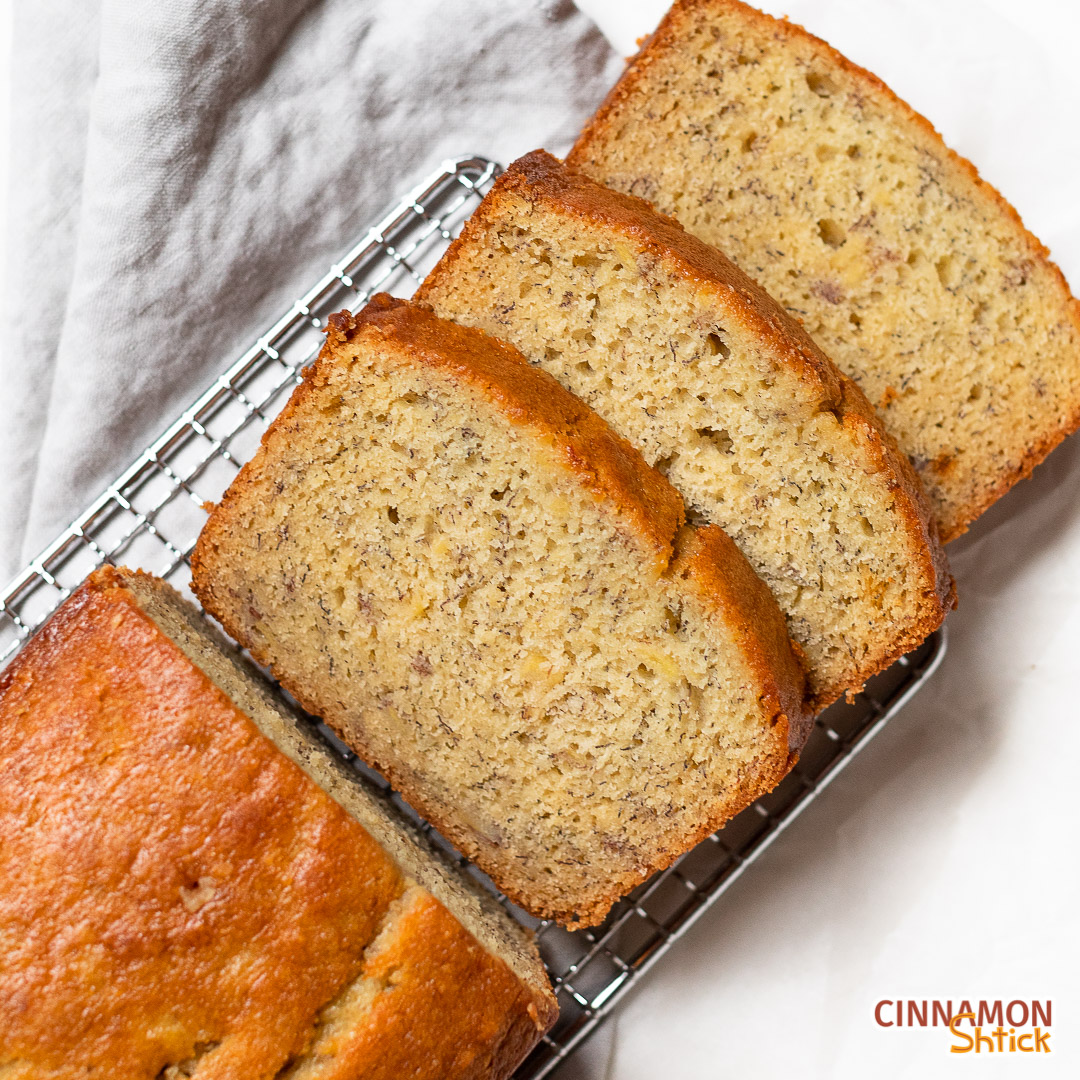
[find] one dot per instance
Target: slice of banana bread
(486, 592)
(912, 273)
(683, 355)
(178, 899)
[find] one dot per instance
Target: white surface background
(943, 864)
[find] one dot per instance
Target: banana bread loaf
(179, 899)
(913, 274)
(723, 392)
(487, 594)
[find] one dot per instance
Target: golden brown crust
(538, 176)
(432, 967)
(671, 31)
(147, 924)
(111, 740)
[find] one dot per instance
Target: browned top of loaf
(670, 33)
(708, 268)
(607, 464)
(174, 888)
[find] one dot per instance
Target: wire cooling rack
(150, 517)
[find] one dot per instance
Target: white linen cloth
(182, 170)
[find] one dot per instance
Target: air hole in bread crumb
(719, 438)
(748, 141)
(189, 1066)
(821, 84)
(831, 232)
(854, 150)
(717, 347)
(392, 514)
(590, 262)
(975, 393)
(663, 465)
(946, 271)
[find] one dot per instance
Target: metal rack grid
(150, 517)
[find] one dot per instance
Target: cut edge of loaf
(708, 267)
(667, 34)
(476, 910)
(602, 461)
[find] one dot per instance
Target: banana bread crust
(154, 928)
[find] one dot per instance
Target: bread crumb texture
(723, 392)
(913, 274)
(180, 900)
(471, 578)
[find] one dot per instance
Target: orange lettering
(877, 1014)
(961, 1034)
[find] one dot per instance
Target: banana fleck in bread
(486, 592)
(179, 899)
(684, 356)
(912, 273)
